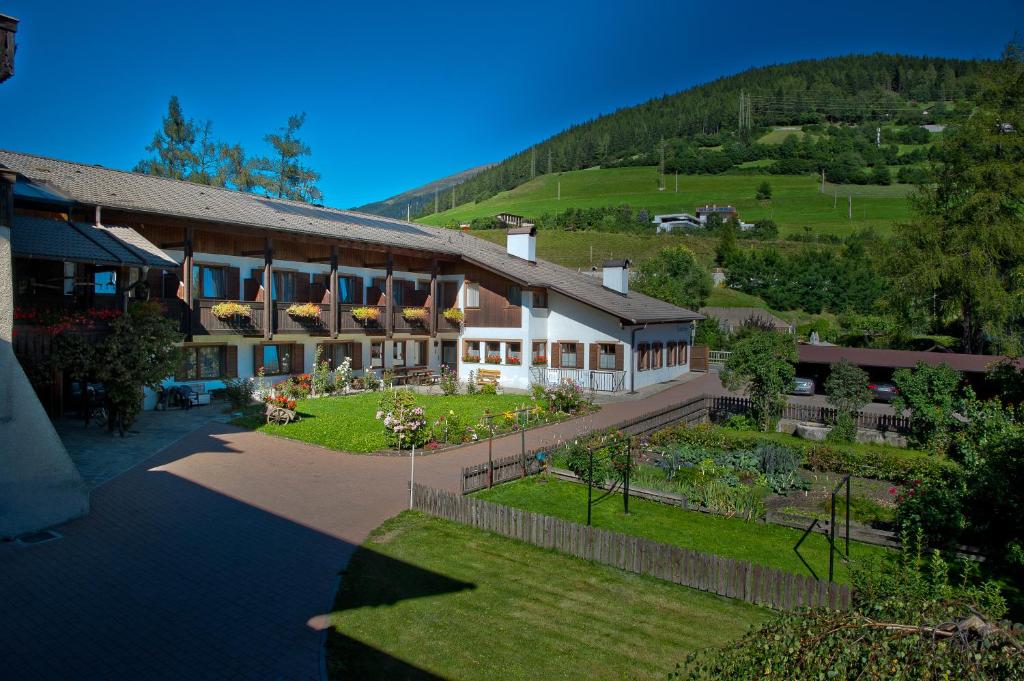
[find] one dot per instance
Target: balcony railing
(603, 380)
(406, 324)
(286, 323)
(446, 326)
(205, 322)
(349, 324)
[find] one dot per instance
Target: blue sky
(399, 94)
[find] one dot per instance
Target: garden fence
(721, 407)
(707, 572)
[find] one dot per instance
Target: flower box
(514, 361)
(307, 311)
(540, 361)
(414, 314)
(231, 310)
(469, 359)
(366, 314)
(493, 359)
(454, 315)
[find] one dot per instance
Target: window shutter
(318, 290)
(618, 357)
(232, 276)
(556, 356)
(684, 350)
(181, 290)
(250, 289)
(231, 361)
(595, 351)
(298, 358)
(257, 359)
(357, 355)
(374, 295)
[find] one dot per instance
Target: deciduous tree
(762, 365)
(675, 276)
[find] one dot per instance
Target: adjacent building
(385, 293)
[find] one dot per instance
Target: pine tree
(172, 145)
(284, 176)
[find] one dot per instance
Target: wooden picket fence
(707, 572)
(721, 407)
(505, 469)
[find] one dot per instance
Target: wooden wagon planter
(280, 416)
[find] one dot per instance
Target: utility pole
(822, 180)
(549, 161)
(533, 162)
(661, 178)
(849, 211)
(435, 201)
(408, 212)
(677, 182)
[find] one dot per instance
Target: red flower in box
(512, 360)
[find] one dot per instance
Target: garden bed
(490, 607)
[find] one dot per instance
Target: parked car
(802, 386)
(883, 392)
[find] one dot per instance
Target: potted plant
(230, 310)
(415, 314)
(305, 311)
(513, 360)
(366, 315)
(493, 359)
(454, 315)
(540, 361)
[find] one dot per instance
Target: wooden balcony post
(186, 280)
(433, 298)
(389, 303)
(268, 289)
(333, 321)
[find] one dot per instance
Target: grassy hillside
(796, 200)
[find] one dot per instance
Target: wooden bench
(488, 376)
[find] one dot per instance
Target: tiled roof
(36, 237)
(871, 357)
(95, 185)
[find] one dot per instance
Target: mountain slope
(852, 89)
(420, 198)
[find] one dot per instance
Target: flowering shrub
(304, 310)
(452, 429)
(449, 381)
(322, 384)
(566, 397)
(227, 310)
(404, 422)
(493, 359)
(343, 375)
(280, 401)
(454, 315)
(414, 314)
(297, 387)
(366, 314)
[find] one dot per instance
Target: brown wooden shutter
(579, 355)
(298, 358)
(356, 352)
(595, 353)
(231, 361)
(302, 290)
(618, 357)
(684, 350)
(180, 294)
(374, 295)
(257, 359)
(232, 277)
(556, 356)
(250, 289)
(318, 290)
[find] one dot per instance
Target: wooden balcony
(349, 324)
(445, 326)
(402, 324)
(205, 323)
(286, 323)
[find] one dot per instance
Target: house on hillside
(732, 319)
(724, 212)
(389, 294)
(673, 221)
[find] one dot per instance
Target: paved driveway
(215, 558)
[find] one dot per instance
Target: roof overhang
(116, 246)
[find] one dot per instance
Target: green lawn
(349, 423)
(779, 134)
(425, 598)
(770, 545)
(729, 297)
(796, 200)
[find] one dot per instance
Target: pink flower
(892, 490)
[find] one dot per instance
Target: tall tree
(962, 260)
(675, 276)
(284, 174)
(172, 145)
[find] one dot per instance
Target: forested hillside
(422, 198)
(716, 126)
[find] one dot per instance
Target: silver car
(802, 386)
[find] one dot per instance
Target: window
(643, 357)
(606, 356)
(513, 353)
(449, 292)
(398, 354)
(472, 294)
(377, 354)
(670, 353)
(681, 349)
(208, 282)
(105, 283)
(539, 354)
(568, 352)
(202, 362)
(515, 296)
(493, 352)
(540, 298)
(348, 289)
(277, 360)
(285, 286)
(398, 291)
(337, 353)
(471, 351)
(656, 356)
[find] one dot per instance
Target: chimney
(615, 276)
(521, 242)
